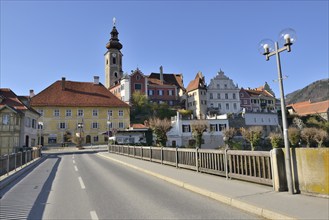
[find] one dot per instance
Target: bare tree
(320, 136)
(160, 127)
(229, 134)
(252, 135)
(308, 134)
(276, 139)
(293, 136)
(198, 127)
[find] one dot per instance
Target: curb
(268, 214)
(14, 175)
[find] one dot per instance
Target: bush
(276, 140)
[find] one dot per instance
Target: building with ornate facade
(223, 95)
(18, 123)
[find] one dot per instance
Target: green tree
(160, 127)
(252, 135)
(293, 136)
(198, 128)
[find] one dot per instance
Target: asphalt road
(86, 186)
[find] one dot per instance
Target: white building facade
(181, 133)
(222, 95)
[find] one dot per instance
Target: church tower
(113, 59)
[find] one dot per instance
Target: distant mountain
(316, 92)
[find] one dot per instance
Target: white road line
(81, 183)
(73, 161)
(76, 168)
(93, 215)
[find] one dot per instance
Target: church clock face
(114, 55)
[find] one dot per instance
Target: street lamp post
(266, 48)
(80, 126)
(40, 127)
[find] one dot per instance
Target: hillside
(316, 92)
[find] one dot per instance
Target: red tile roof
(86, 94)
(197, 83)
(138, 126)
(168, 78)
(308, 108)
(9, 98)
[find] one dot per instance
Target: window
(226, 96)
(80, 112)
(186, 128)
(109, 113)
(151, 92)
(171, 102)
(225, 85)
(95, 112)
(62, 125)
(114, 60)
(121, 113)
(122, 87)
(138, 77)
(121, 125)
(227, 106)
(160, 92)
(170, 92)
(213, 127)
(68, 113)
(211, 96)
(245, 102)
(34, 123)
(28, 122)
(219, 106)
(5, 119)
(56, 113)
(241, 95)
(138, 86)
(234, 96)
(95, 138)
(221, 127)
(109, 125)
(94, 125)
(218, 86)
(218, 95)
(234, 106)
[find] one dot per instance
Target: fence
(13, 161)
(253, 166)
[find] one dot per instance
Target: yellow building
(69, 109)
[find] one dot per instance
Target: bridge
(95, 183)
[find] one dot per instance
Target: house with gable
(18, 123)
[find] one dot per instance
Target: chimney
(96, 80)
(63, 83)
(161, 74)
(31, 93)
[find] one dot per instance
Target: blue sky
(42, 41)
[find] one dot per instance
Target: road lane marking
(76, 168)
(93, 215)
(73, 161)
(81, 183)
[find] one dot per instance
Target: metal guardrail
(253, 166)
(10, 162)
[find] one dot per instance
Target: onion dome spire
(114, 41)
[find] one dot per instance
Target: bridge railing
(10, 162)
(253, 166)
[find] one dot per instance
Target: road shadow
(40, 203)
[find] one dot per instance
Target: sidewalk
(257, 199)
